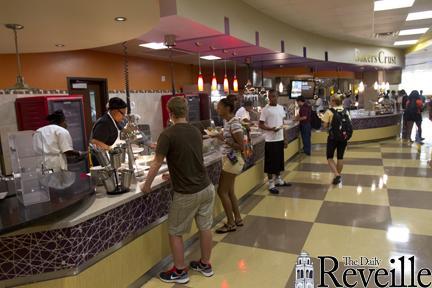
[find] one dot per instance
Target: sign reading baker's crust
(382, 57)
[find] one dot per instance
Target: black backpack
(341, 128)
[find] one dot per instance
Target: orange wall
(49, 70)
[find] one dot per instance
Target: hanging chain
(126, 75)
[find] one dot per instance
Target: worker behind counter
(56, 142)
(106, 130)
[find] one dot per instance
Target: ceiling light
(59, 45)
(419, 15)
(413, 31)
(392, 4)
(210, 57)
(120, 19)
(406, 42)
(154, 45)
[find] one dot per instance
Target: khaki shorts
(185, 207)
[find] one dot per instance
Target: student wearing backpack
(412, 114)
(340, 127)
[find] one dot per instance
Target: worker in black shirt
(106, 130)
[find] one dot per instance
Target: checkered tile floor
(383, 208)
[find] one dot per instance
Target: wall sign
(382, 57)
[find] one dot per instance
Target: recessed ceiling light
(154, 45)
(413, 31)
(120, 19)
(382, 5)
(419, 15)
(210, 57)
(406, 42)
(59, 45)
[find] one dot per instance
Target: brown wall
(49, 70)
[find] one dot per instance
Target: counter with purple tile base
(367, 128)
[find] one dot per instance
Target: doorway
(95, 93)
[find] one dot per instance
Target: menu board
(302, 88)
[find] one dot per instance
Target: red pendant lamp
(235, 81)
(214, 80)
(225, 82)
(200, 77)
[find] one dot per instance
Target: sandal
(226, 229)
(239, 223)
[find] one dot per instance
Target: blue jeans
(305, 130)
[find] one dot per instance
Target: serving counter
(367, 128)
(113, 240)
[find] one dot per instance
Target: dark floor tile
(418, 246)
(250, 203)
(362, 180)
(272, 234)
(413, 156)
(410, 199)
(363, 161)
(312, 167)
(363, 149)
(355, 215)
(408, 171)
(305, 191)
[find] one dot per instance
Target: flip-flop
(226, 229)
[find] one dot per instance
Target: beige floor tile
(240, 266)
(156, 283)
(315, 159)
(418, 221)
(288, 208)
(409, 183)
(340, 241)
(310, 177)
(412, 149)
(364, 170)
(405, 163)
(352, 154)
(291, 166)
(358, 195)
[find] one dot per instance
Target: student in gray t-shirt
(194, 194)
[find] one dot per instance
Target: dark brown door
(95, 94)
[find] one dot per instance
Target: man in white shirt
(271, 122)
(244, 112)
(56, 142)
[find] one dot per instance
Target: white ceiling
(77, 24)
(350, 20)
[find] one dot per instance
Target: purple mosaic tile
(49, 251)
(376, 122)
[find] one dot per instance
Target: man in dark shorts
(332, 144)
(194, 194)
(271, 122)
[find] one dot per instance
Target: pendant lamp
(214, 80)
(200, 77)
(225, 82)
(235, 81)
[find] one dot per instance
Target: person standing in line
(340, 130)
(271, 122)
(194, 194)
(304, 118)
(232, 137)
(412, 114)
